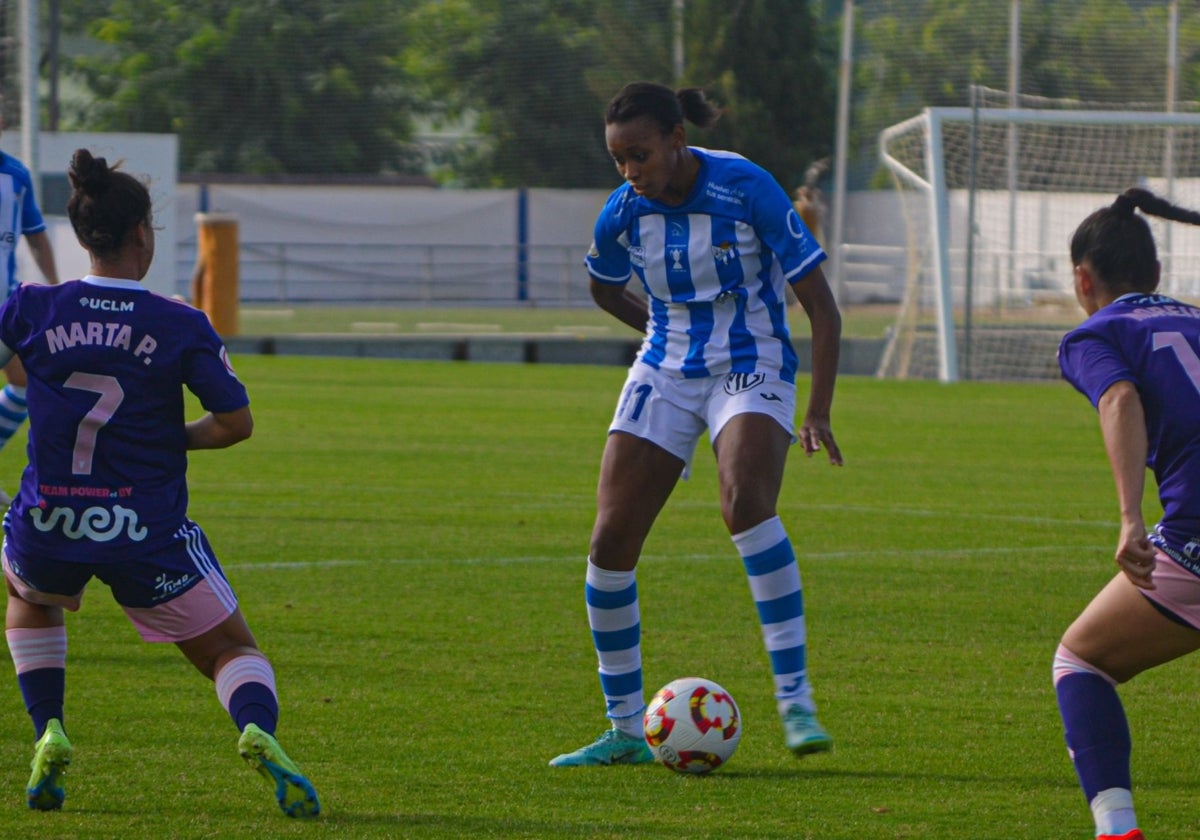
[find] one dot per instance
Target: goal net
(990, 199)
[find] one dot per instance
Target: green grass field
(262, 319)
(408, 540)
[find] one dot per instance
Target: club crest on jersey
(637, 255)
(735, 383)
(724, 253)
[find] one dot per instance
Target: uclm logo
(105, 305)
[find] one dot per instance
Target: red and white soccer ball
(692, 725)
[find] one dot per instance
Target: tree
(274, 86)
(518, 70)
(771, 66)
(913, 54)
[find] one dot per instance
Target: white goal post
(991, 196)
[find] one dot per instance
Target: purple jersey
(107, 361)
(1154, 342)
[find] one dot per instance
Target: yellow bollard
(215, 284)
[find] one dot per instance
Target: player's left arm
(43, 255)
(815, 296)
(781, 229)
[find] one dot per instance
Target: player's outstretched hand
(814, 434)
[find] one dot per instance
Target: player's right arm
(1123, 424)
(621, 303)
(609, 265)
(219, 429)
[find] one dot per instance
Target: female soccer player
(23, 218)
(1137, 358)
(105, 491)
(714, 241)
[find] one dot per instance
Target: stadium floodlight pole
(677, 39)
(29, 95)
(836, 278)
(1169, 139)
(1014, 151)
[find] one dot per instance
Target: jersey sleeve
(31, 214)
(782, 230)
(209, 374)
(608, 259)
(13, 329)
(1092, 365)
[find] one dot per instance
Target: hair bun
(1124, 205)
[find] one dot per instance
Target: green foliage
(408, 543)
(912, 54)
(267, 87)
(520, 69)
(773, 67)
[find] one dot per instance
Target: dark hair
(660, 103)
(105, 206)
(1118, 244)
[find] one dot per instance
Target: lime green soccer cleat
(803, 734)
(295, 794)
(52, 754)
(613, 747)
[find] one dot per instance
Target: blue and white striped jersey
(19, 214)
(714, 267)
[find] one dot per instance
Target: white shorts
(673, 412)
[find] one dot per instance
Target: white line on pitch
(661, 558)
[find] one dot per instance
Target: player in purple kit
(1137, 358)
(105, 491)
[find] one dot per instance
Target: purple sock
(1096, 730)
(254, 703)
(246, 688)
(43, 690)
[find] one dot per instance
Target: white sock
(1112, 810)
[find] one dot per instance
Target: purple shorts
(172, 596)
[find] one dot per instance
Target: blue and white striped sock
(775, 584)
(612, 608)
(13, 411)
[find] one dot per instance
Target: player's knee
(743, 507)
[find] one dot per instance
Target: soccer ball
(692, 725)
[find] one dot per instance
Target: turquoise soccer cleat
(295, 794)
(613, 747)
(803, 734)
(51, 756)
